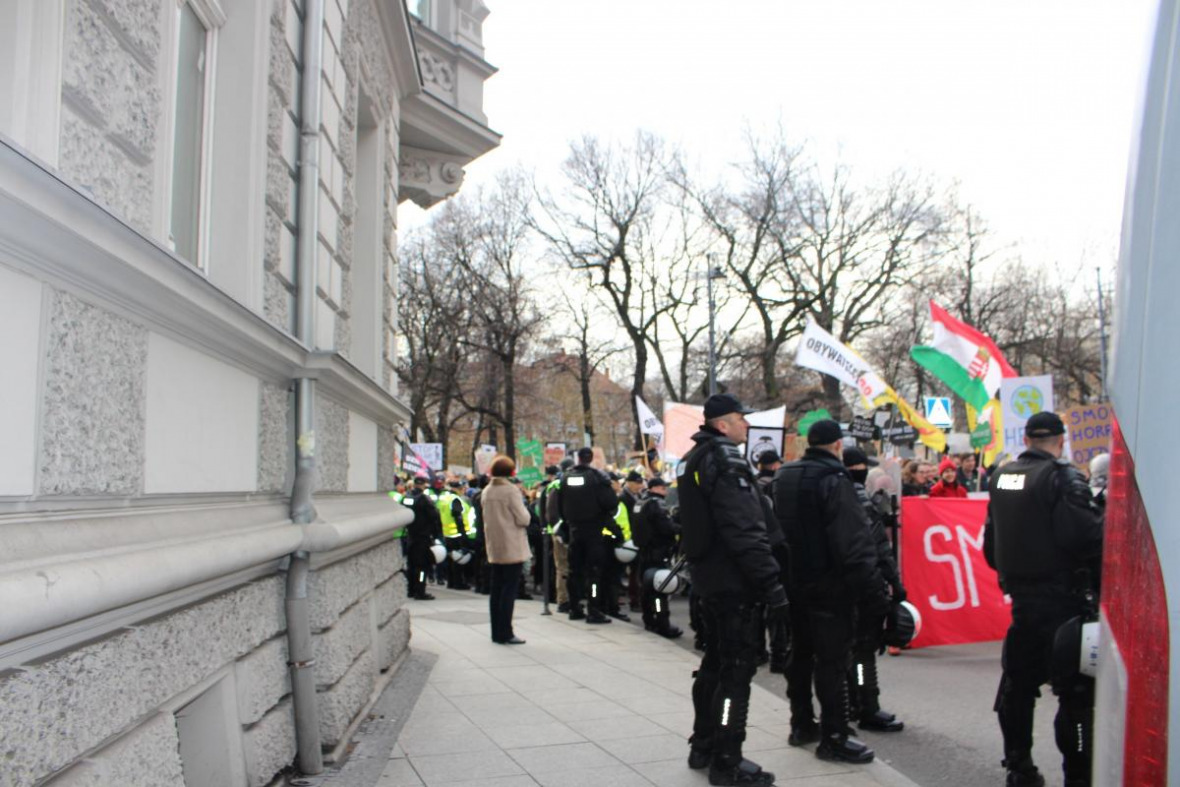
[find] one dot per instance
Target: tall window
(194, 48)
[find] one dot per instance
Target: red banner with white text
(945, 574)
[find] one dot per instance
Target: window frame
(210, 14)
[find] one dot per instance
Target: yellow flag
(991, 413)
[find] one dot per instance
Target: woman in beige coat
(505, 521)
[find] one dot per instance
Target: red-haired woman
(506, 522)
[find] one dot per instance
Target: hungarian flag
(966, 360)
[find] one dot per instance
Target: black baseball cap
(855, 456)
(421, 480)
(634, 476)
(1044, 425)
(769, 457)
(718, 405)
(657, 481)
(824, 432)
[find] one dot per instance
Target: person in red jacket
(948, 484)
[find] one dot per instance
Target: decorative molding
(70, 571)
(437, 73)
(428, 177)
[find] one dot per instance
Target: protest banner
(554, 453)
(1020, 399)
(945, 574)
(529, 458)
(681, 422)
(483, 458)
(430, 453)
(1088, 430)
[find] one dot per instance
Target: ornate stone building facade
(198, 317)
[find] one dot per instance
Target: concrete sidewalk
(600, 706)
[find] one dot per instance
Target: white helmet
(626, 552)
(461, 556)
(439, 551)
(661, 576)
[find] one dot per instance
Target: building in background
(198, 316)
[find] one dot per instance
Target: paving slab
(576, 706)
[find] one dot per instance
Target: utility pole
(713, 273)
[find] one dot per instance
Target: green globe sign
(1027, 401)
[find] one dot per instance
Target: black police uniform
(1043, 535)
(778, 629)
(426, 527)
(653, 525)
(588, 504)
(864, 688)
(833, 570)
(724, 537)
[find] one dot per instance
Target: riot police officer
(725, 540)
(863, 688)
(654, 532)
(587, 504)
(833, 573)
(1043, 535)
(421, 534)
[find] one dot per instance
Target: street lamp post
(713, 273)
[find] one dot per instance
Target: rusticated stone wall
(111, 103)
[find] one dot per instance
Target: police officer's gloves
(777, 606)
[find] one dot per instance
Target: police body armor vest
(579, 501)
(696, 535)
(800, 510)
(1022, 521)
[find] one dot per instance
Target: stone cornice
(450, 131)
(62, 569)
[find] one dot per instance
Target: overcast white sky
(1029, 104)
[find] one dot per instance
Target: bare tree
(432, 317)
(605, 222)
(486, 239)
(757, 236)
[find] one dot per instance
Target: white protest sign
(1021, 398)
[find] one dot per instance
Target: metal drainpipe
(301, 657)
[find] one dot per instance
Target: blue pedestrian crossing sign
(938, 411)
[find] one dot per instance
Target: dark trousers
(821, 650)
(419, 562)
(863, 689)
(586, 571)
(502, 600)
(721, 688)
(656, 615)
(1027, 662)
(455, 572)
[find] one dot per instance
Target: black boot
(670, 632)
(881, 722)
(803, 734)
(842, 748)
(1022, 772)
(745, 773)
